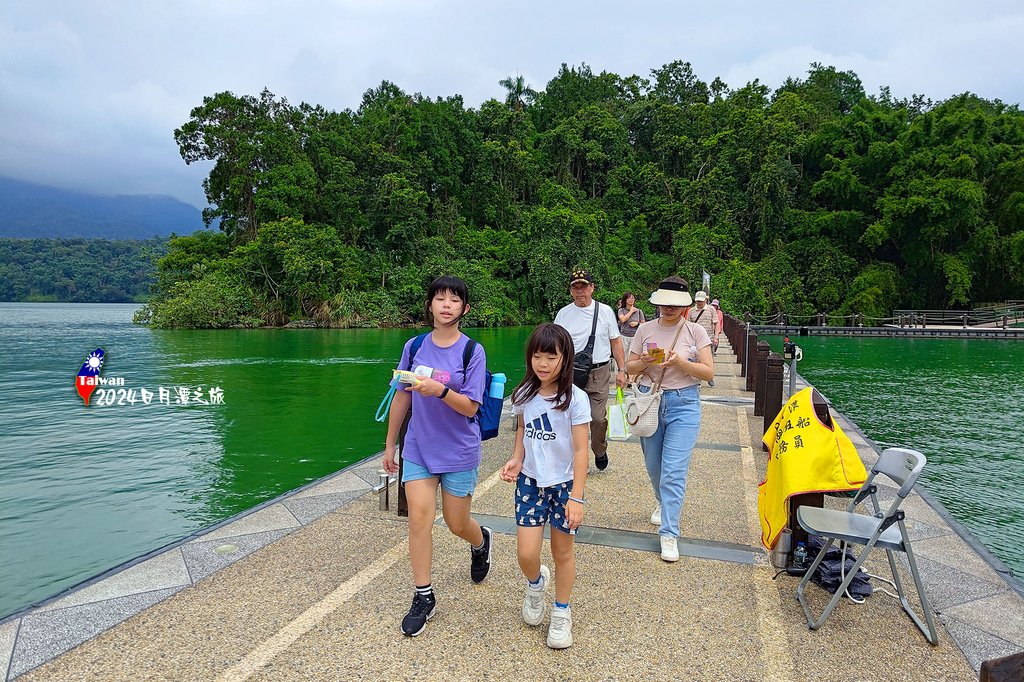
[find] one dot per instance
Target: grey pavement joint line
(629, 539)
(270, 648)
(776, 659)
(718, 446)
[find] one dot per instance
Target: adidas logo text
(540, 429)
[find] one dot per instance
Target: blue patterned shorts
(536, 506)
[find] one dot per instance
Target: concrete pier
(314, 586)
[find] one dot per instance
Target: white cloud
(92, 89)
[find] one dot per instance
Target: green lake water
(83, 489)
(960, 402)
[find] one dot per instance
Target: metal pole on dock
(383, 490)
(791, 352)
(744, 371)
(750, 359)
(772, 390)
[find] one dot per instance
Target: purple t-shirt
(439, 438)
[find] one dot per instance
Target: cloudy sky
(91, 90)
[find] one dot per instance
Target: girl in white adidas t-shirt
(549, 467)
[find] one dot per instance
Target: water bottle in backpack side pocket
(497, 389)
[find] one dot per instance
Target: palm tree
(518, 91)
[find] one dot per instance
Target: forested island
(815, 197)
(79, 270)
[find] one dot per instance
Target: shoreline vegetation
(815, 197)
(78, 270)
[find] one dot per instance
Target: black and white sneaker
(480, 562)
(422, 610)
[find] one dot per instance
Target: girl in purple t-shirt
(442, 445)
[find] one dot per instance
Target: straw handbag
(642, 410)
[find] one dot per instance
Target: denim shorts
(536, 506)
(455, 483)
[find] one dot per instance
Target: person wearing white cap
(686, 362)
(582, 318)
(705, 316)
(721, 326)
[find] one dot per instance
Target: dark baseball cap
(580, 275)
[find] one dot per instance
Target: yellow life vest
(804, 456)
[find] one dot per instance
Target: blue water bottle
(497, 389)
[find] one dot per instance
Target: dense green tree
(80, 270)
(813, 198)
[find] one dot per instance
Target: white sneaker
(560, 629)
(534, 604)
(669, 548)
(656, 516)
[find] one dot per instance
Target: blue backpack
(488, 417)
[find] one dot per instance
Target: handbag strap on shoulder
(589, 348)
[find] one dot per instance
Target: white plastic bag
(618, 428)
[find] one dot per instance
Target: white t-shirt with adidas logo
(548, 436)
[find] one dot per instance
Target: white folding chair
(884, 529)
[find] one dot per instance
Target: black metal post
(763, 349)
(750, 359)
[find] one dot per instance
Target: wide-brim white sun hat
(671, 293)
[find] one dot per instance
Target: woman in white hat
(684, 362)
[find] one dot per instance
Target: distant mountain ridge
(28, 210)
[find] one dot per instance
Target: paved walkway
(323, 596)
